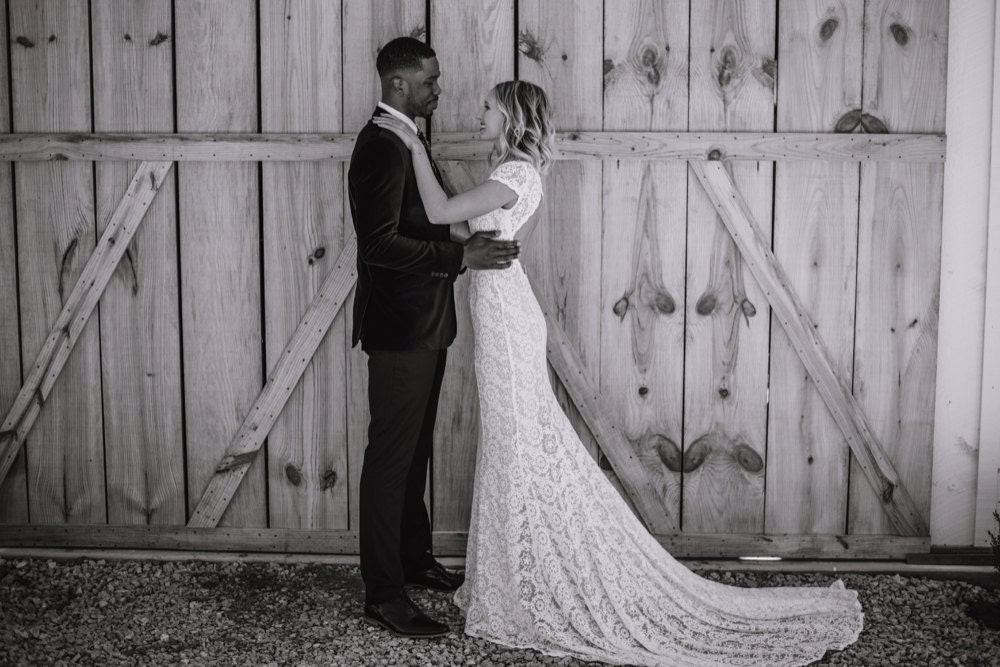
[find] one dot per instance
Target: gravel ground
(208, 613)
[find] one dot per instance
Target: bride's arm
(441, 209)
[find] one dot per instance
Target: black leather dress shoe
(436, 578)
(403, 618)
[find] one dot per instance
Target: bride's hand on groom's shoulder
(397, 127)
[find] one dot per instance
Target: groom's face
(422, 89)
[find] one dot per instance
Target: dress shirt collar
(400, 115)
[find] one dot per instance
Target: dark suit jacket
(406, 266)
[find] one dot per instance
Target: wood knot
(650, 63)
(609, 66)
(706, 304)
(293, 474)
(643, 391)
(848, 122)
(328, 480)
(715, 155)
(25, 42)
(873, 125)
(318, 253)
(667, 451)
(128, 37)
(748, 458)
(727, 67)
(530, 47)
(900, 34)
(827, 29)
(418, 32)
(697, 453)
(621, 307)
(603, 463)
(723, 392)
(749, 310)
(158, 39)
(664, 303)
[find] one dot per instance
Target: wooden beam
(753, 245)
(290, 540)
(78, 308)
(272, 398)
(634, 478)
(286, 146)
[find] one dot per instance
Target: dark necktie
(427, 147)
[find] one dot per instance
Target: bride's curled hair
(528, 133)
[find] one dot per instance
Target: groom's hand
(481, 252)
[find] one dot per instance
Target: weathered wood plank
(285, 540)
(284, 378)
(475, 46)
(788, 310)
(216, 47)
(72, 321)
(988, 474)
(14, 487)
(558, 51)
(303, 234)
(958, 441)
(642, 488)
(571, 145)
(899, 246)
(726, 364)
(815, 239)
(140, 332)
(55, 212)
(642, 314)
(367, 25)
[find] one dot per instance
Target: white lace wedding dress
(556, 561)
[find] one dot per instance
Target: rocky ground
(209, 613)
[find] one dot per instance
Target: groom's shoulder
(374, 141)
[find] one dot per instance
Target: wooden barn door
(747, 348)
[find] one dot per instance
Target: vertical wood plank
(899, 246)
(14, 488)
(139, 311)
(220, 246)
(55, 212)
(988, 474)
(475, 46)
(558, 50)
(815, 239)
(964, 242)
(725, 374)
(645, 210)
(367, 25)
(303, 236)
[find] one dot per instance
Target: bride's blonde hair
(528, 133)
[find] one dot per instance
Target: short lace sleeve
(518, 176)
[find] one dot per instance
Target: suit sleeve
(378, 179)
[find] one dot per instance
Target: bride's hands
(401, 130)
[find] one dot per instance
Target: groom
(404, 316)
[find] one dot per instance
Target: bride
(556, 561)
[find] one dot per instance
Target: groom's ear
(398, 84)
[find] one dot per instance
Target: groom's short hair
(402, 53)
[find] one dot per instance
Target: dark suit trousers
(395, 530)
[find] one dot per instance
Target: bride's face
(490, 119)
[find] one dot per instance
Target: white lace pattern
(556, 561)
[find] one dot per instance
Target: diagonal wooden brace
(586, 396)
(764, 266)
(78, 308)
(272, 398)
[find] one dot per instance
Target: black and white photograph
(501, 333)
